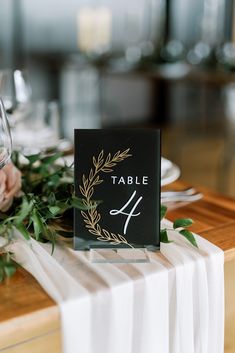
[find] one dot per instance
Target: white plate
(169, 172)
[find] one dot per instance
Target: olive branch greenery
(44, 210)
(179, 224)
(91, 216)
(47, 200)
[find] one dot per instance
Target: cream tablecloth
(174, 304)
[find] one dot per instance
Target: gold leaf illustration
(84, 214)
(103, 239)
(91, 174)
(122, 238)
(110, 165)
(105, 232)
(97, 218)
(82, 191)
(94, 161)
(92, 231)
(99, 182)
(108, 158)
(91, 216)
(107, 170)
(114, 236)
(116, 155)
(85, 181)
(85, 203)
(101, 155)
(90, 193)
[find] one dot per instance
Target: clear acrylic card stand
(118, 255)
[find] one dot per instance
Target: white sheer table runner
(174, 304)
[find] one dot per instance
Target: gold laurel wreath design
(92, 217)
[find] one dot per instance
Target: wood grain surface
(213, 215)
(27, 313)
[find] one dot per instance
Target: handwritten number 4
(129, 215)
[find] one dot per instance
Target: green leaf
(164, 236)
(55, 210)
(50, 159)
(7, 266)
(37, 224)
(78, 203)
(33, 158)
(51, 198)
(9, 269)
(182, 222)
(189, 236)
(163, 211)
(51, 234)
(54, 180)
(2, 229)
(22, 229)
(1, 274)
(24, 211)
(63, 206)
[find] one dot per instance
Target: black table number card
(117, 175)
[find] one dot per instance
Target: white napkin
(41, 138)
(174, 304)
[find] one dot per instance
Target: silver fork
(189, 191)
(189, 194)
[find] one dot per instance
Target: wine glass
(5, 137)
(7, 91)
(211, 33)
(15, 91)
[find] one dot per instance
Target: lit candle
(94, 29)
(103, 21)
(85, 29)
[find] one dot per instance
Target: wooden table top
(213, 216)
(27, 312)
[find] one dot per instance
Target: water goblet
(5, 137)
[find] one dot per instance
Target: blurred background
(138, 63)
(141, 63)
